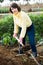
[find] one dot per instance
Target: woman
(22, 20)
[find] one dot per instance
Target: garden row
(6, 9)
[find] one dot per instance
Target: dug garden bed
(8, 57)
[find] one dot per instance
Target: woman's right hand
(15, 35)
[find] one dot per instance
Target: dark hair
(14, 5)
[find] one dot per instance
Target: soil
(8, 57)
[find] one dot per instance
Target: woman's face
(14, 10)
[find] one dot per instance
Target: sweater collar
(17, 15)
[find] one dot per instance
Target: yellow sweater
(21, 20)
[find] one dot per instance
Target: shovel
(30, 50)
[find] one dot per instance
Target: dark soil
(8, 57)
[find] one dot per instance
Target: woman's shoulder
(23, 13)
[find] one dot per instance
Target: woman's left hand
(20, 40)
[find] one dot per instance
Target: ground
(8, 57)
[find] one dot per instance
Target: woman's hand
(15, 35)
(20, 40)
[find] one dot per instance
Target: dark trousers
(31, 35)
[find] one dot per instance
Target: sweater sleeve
(15, 28)
(15, 25)
(23, 31)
